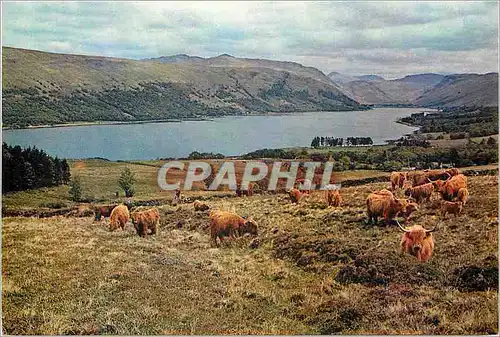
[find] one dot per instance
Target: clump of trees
(476, 121)
(29, 168)
(410, 140)
(204, 155)
(332, 141)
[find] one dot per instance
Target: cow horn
(429, 180)
(402, 228)
(449, 175)
(431, 230)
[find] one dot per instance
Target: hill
(432, 90)
(46, 88)
(226, 60)
(373, 89)
(462, 89)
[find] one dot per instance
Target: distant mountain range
(47, 88)
(432, 90)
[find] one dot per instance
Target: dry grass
(316, 270)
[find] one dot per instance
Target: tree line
(29, 168)
(332, 141)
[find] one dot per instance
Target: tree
(75, 189)
(66, 174)
(126, 182)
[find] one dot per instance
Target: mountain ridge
(50, 88)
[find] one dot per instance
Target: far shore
(109, 123)
(170, 120)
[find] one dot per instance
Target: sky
(390, 39)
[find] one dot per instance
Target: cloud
(351, 37)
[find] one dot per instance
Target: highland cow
(417, 241)
(119, 217)
(146, 220)
(229, 224)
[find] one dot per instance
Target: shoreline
(168, 120)
(173, 120)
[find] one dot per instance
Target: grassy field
(100, 183)
(314, 270)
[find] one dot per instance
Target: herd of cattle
(418, 187)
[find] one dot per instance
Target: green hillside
(45, 88)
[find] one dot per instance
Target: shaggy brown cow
(224, 223)
(417, 178)
(384, 192)
(177, 197)
(383, 204)
(420, 193)
(103, 211)
(294, 195)
(248, 192)
(410, 208)
(463, 195)
(454, 207)
(453, 171)
(417, 241)
(146, 220)
(119, 217)
(333, 198)
(398, 179)
(200, 206)
(423, 177)
(449, 189)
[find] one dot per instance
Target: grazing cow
(423, 177)
(398, 179)
(453, 171)
(200, 206)
(146, 220)
(410, 208)
(307, 185)
(463, 195)
(383, 204)
(224, 223)
(294, 195)
(103, 211)
(333, 198)
(177, 197)
(420, 193)
(417, 241)
(417, 178)
(433, 175)
(384, 192)
(454, 207)
(449, 189)
(119, 217)
(248, 192)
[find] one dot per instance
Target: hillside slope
(422, 89)
(463, 89)
(372, 89)
(226, 60)
(46, 88)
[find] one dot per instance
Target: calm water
(228, 135)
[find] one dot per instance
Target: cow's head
(408, 192)
(415, 236)
(438, 185)
(250, 226)
(411, 207)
